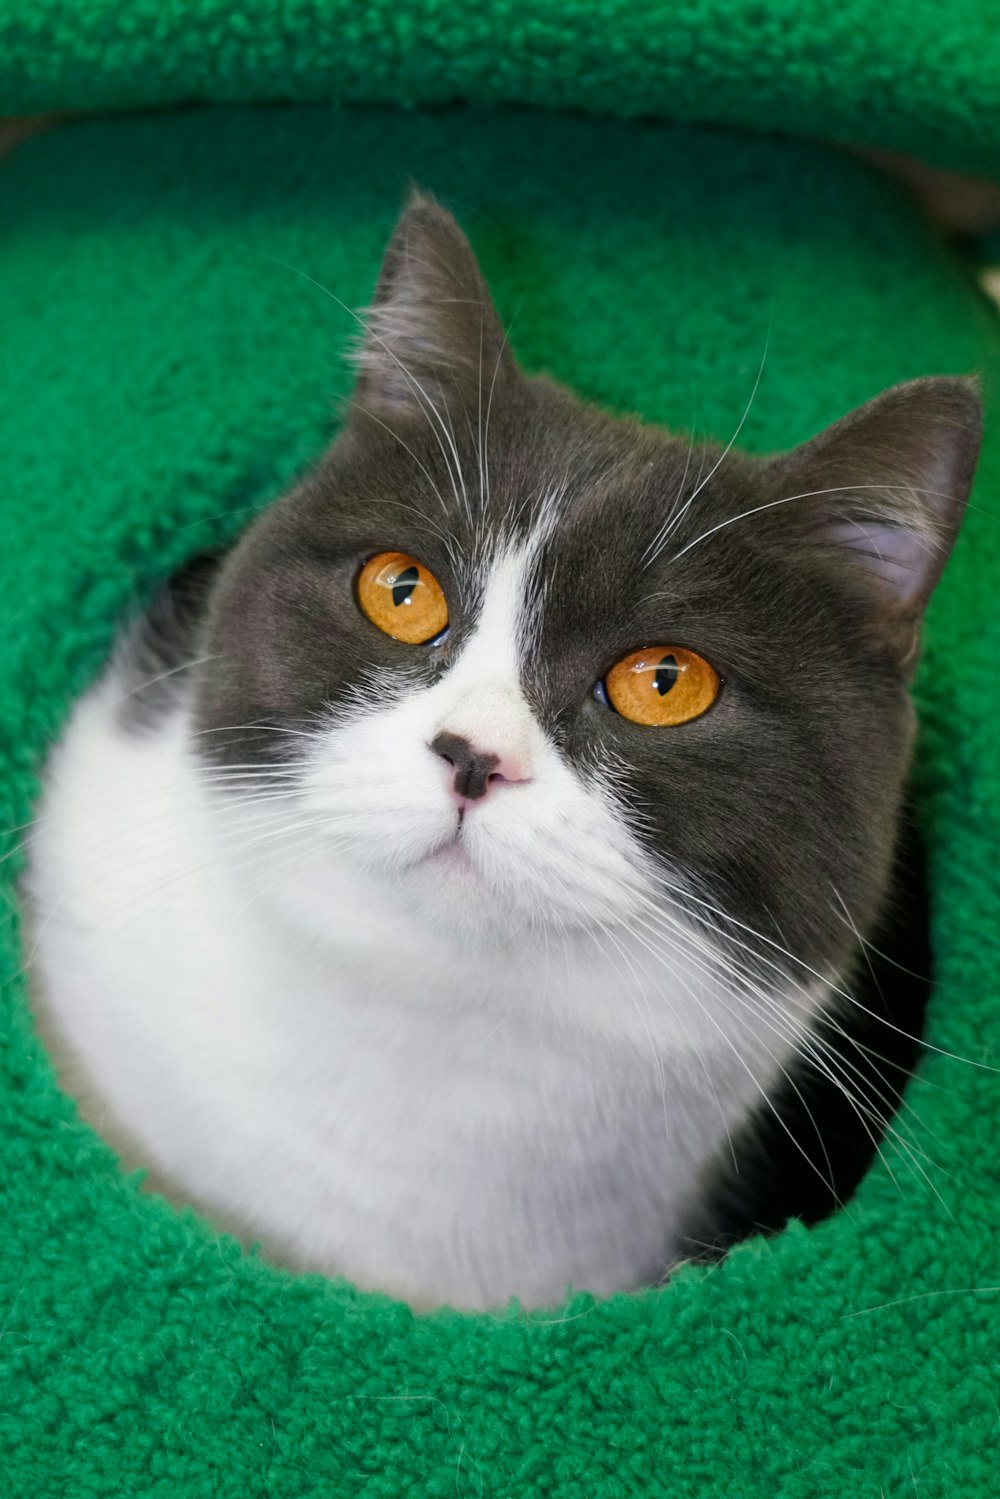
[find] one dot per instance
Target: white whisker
(718, 462)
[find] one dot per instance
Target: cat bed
(170, 358)
(920, 76)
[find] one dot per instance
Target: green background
(166, 364)
(916, 75)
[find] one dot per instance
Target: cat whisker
(407, 449)
(243, 838)
(135, 906)
(33, 830)
(758, 1085)
(267, 728)
(251, 779)
(827, 1019)
(723, 455)
(423, 399)
(656, 545)
(696, 1050)
(454, 445)
(162, 676)
(479, 418)
(813, 1046)
(868, 946)
(744, 992)
(489, 403)
(825, 979)
(35, 826)
(788, 499)
(207, 520)
(637, 996)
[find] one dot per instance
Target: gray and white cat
(441, 887)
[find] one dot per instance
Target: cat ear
(432, 332)
(886, 488)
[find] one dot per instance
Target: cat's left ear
(432, 335)
(886, 488)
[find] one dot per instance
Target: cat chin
(474, 888)
(488, 881)
(444, 895)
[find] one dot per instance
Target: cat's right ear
(433, 339)
(883, 491)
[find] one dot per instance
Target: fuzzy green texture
(166, 364)
(921, 76)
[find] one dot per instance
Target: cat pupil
(404, 585)
(666, 675)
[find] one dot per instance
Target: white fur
(449, 1066)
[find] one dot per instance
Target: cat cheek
(378, 794)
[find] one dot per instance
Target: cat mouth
(452, 851)
(449, 855)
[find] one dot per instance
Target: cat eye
(401, 597)
(661, 686)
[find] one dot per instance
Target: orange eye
(402, 598)
(662, 685)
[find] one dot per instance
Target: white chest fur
(450, 1125)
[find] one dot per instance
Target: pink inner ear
(900, 555)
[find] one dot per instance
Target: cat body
(388, 1103)
(420, 960)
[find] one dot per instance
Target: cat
(453, 885)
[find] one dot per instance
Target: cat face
(529, 666)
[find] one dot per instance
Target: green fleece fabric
(921, 76)
(168, 359)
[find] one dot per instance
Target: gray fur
(792, 784)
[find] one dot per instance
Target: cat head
(526, 665)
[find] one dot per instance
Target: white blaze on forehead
(481, 697)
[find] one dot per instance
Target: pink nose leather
(474, 772)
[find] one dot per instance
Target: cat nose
(475, 770)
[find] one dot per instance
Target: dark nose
(472, 767)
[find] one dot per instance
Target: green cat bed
(168, 359)
(921, 76)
